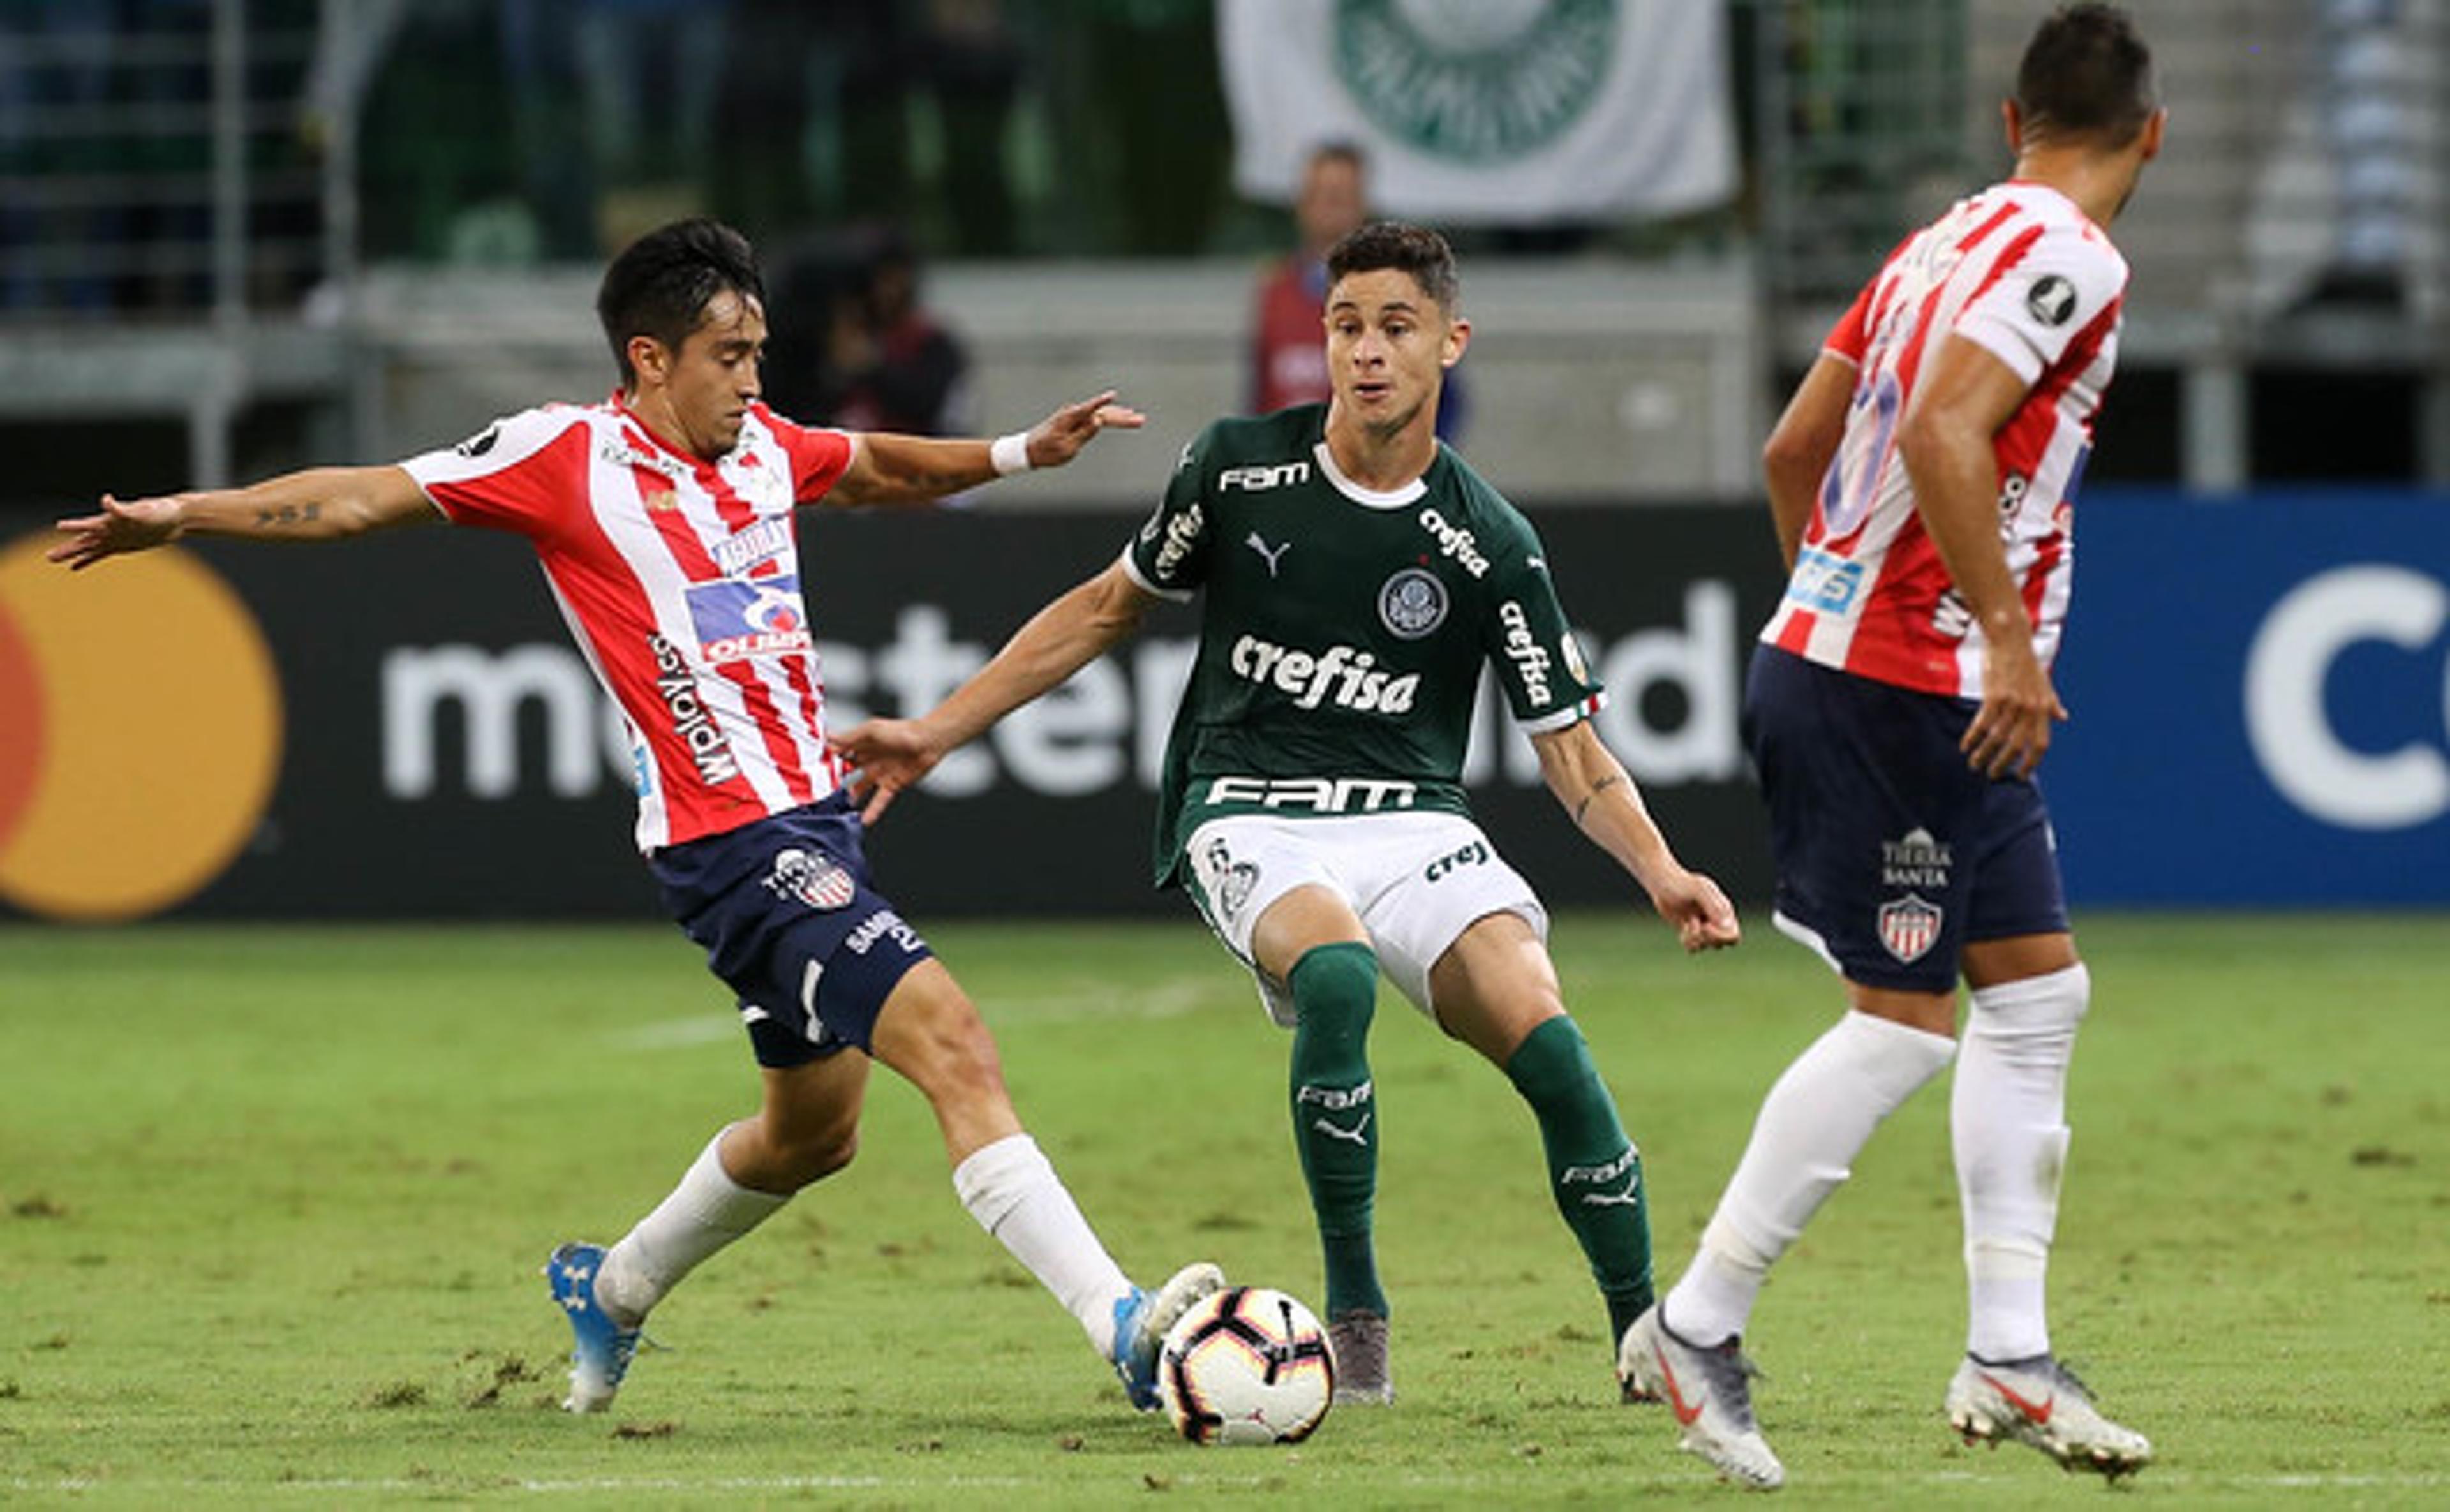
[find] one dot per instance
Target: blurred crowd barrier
(212, 210)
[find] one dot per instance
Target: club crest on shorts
(1908, 927)
(1412, 603)
(817, 880)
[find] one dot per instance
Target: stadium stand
(189, 196)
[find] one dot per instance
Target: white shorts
(1417, 880)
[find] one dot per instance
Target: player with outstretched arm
(664, 521)
(1355, 578)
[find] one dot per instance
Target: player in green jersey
(1356, 578)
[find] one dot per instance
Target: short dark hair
(661, 283)
(2087, 73)
(1337, 149)
(1413, 249)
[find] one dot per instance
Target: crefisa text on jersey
(1455, 542)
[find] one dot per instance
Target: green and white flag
(1477, 111)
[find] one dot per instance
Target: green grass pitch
(272, 1204)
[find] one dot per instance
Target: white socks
(1012, 1189)
(706, 1212)
(1008, 1185)
(1812, 1125)
(2008, 1118)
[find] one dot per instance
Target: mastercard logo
(140, 731)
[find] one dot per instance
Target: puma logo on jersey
(1257, 479)
(1272, 558)
(1340, 675)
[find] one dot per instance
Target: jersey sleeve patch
(2027, 319)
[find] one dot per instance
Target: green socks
(1335, 1116)
(1593, 1167)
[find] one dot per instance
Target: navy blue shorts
(785, 912)
(1892, 854)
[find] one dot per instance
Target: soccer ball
(1246, 1365)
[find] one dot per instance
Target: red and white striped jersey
(2019, 269)
(680, 581)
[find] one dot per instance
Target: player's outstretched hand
(1703, 917)
(887, 755)
(132, 524)
(1058, 438)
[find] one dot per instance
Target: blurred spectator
(1288, 351)
(1287, 341)
(873, 356)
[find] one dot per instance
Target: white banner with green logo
(1487, 111)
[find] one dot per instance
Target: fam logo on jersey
(478, 444)
(1412, 603)
(1915, 860)
(1908, 927)
(2052, 300)
(815, 879)
(740, 617)
(1262, 477)
(1480, 82)
(1320, 795)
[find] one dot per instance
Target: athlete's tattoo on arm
(1597, 789)
(275, 515)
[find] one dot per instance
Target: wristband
(1009, 454)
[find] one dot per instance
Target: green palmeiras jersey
(1342, 630)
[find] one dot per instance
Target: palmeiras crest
(1412, 603)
